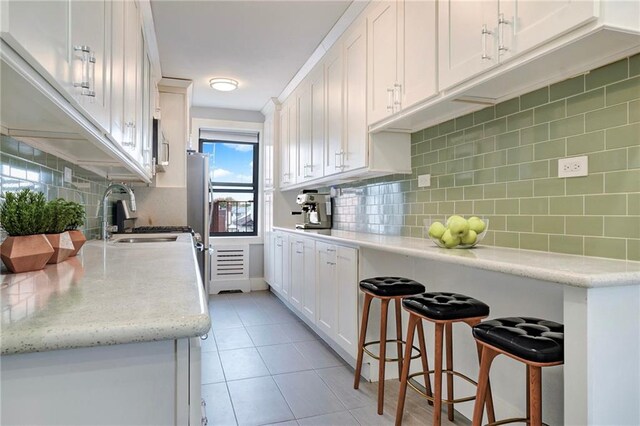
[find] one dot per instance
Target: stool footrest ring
(512, 420)
(374, 356)
(444, 401)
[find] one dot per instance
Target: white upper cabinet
(382, 28)
(117, 128)
(525, 24)
(90, 36)
(466, 40)
(355, 142)
(268, 140)
(311, 114)
(38, 31)
(401, 56)
(287, 143)
(477, 35)
(334, 107)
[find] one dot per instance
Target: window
(234, 187)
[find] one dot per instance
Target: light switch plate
(424, 181)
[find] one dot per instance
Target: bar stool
(442, 309)
(535, 342)
(385, 289)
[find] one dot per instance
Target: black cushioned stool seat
(532, 339)
(445, 306)
(386, 289)
(535, 342)
(444, 309)
(391, 286)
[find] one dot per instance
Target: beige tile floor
(261, 365)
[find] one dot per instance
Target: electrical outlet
(573, 167)
(68, 175)
(424, 181)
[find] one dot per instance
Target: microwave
(160, 147)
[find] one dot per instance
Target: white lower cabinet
(309, 287)
(327, 288)
(346, 327)
(281, 277)
(130, 384)
(296, 249)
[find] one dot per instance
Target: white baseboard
(258, 284)
(217, 286)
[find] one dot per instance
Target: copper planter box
(78, 239)
(26, 253)
(62, 247)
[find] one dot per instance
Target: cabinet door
(117, 121)
(296, 249)
(267, 143)
(286, 268)
(89, 29)
(38, 31)
(467, 31)
(147, 86)
(327, 288)
(268, 237)
(278, 255)
(293, 140)
(355, 99)
(131, 49)
(305, 162)
(417, 51)
(283, 145)
(334, 109)
(382, 38)
(309, 280)
(525, 24)
(347, 278)
(316, 81)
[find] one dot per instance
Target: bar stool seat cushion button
(532, 339)
(391, 286)
(446, 306)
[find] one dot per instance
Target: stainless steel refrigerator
(198, 215)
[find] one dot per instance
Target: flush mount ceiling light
(223, 84)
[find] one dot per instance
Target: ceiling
(262, 44)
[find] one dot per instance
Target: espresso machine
(315, 210)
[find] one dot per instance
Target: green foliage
(23, 213)
(77, 215)
(58, 216)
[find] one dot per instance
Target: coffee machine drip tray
(311, 226)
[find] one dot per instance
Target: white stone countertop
(111, 293)
(573, 270)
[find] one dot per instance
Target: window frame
(255, 185)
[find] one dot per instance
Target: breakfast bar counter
(597, 300)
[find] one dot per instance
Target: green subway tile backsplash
(22, 166)
(501, 162)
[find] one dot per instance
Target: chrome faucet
(105, 201)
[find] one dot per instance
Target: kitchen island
(108, 337)
(597, 299)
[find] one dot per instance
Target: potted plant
(76, 220)
(22, 216)
(58, 217)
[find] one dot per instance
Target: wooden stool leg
(437, 403)
(491, 415)
(486, 359)
(535, 395)
(363, 335)
(384, 310)
(413, 321)
(399, 336)
(448, 329)
(425, 361)
(528, 394)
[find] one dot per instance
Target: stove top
(162, 229)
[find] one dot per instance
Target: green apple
(458, 226)
(436, 230)
(449, 240)
(452, 218)
(470, 238)
(476, 224)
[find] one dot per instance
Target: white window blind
(229, 136)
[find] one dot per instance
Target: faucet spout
(105, 200)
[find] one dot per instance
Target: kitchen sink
(146, 239)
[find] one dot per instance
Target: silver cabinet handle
(310, 167)
(390, 97)
(331, 263)
(485, 32)
(129, 134)
(330, 250)
(397, 97)
(340, 166)
(87, 78)
(501, 23)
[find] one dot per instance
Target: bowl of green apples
(456, 231)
